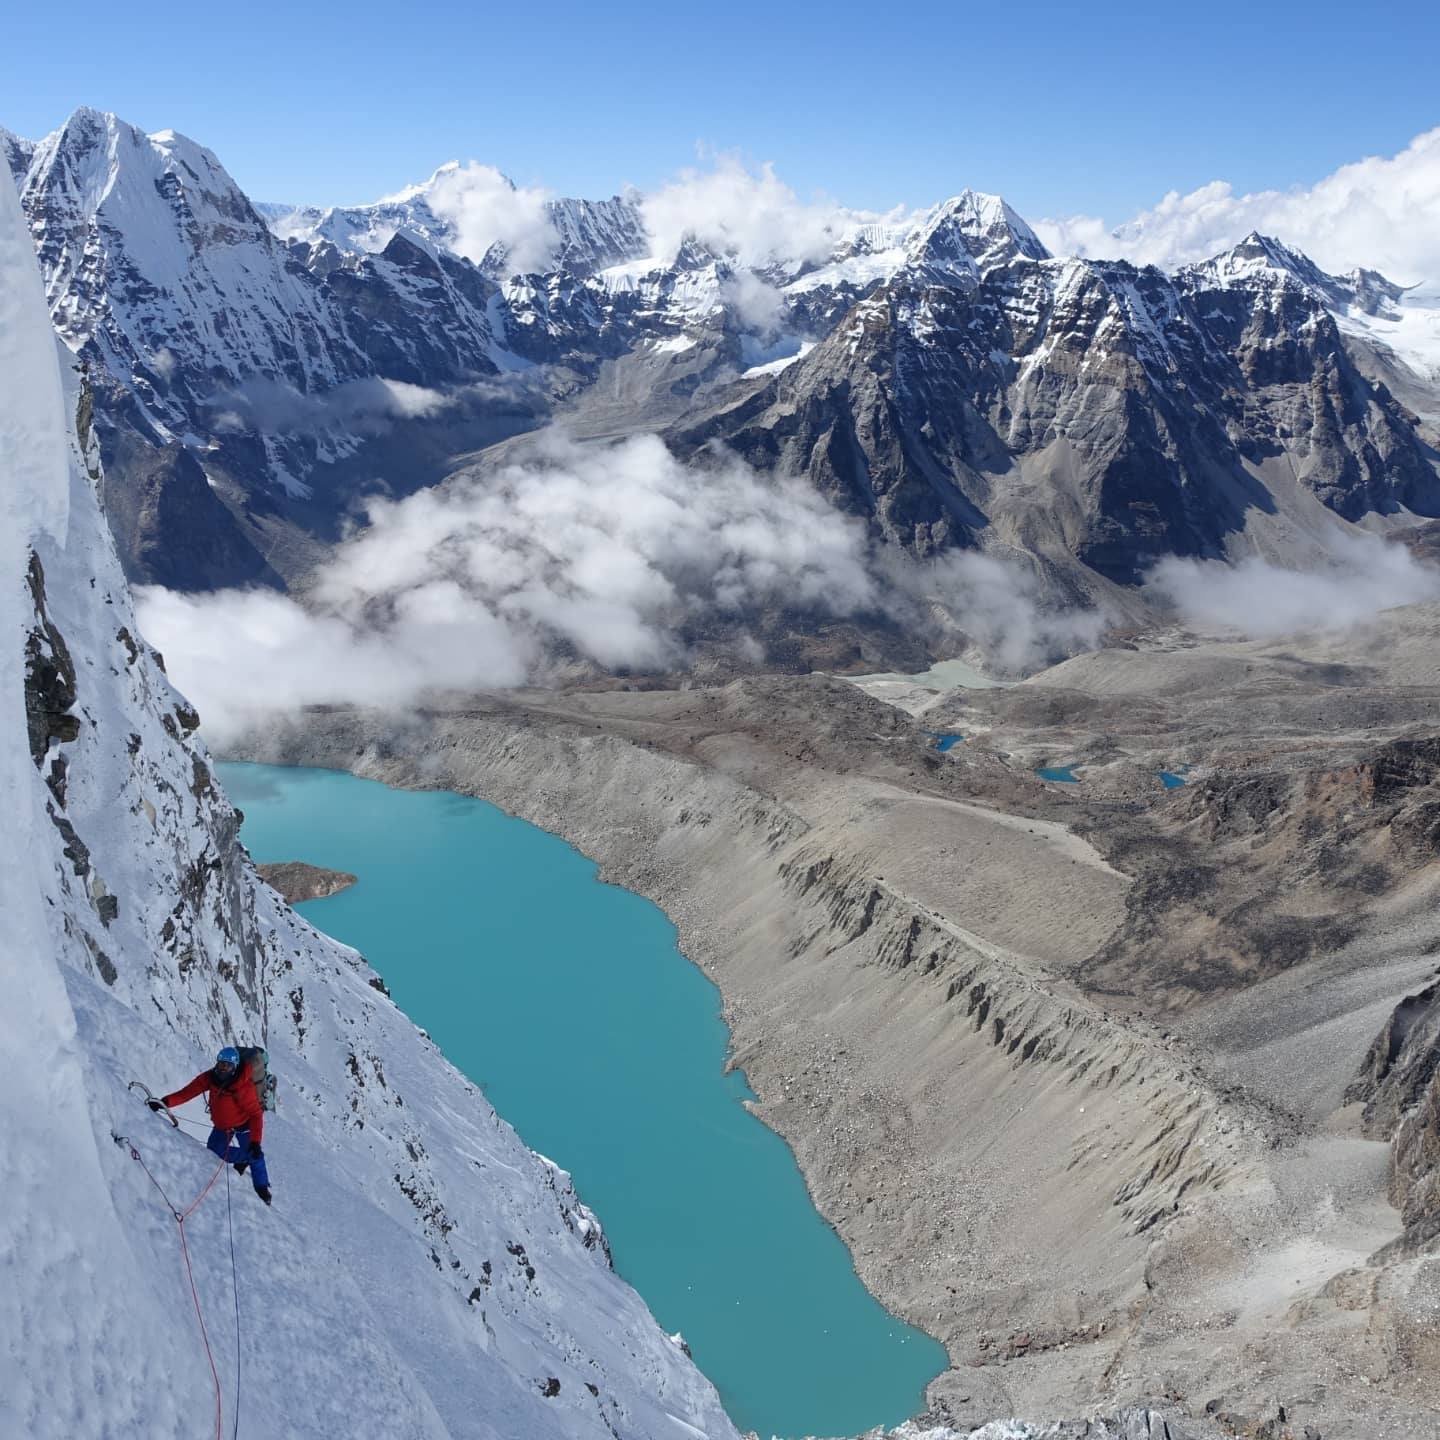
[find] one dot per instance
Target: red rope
(195, 1296)
(208, 1186)
(180, 1218)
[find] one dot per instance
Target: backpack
(258, 1060)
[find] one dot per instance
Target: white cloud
(1364, 576)
(610, 548)
(415, 402)
(485, 209)
(752, 216)
(603, 552)
(1382, 213)
(242, 655)
(758, 306)
(999, 605)
(357, 406)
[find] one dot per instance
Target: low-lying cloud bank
(1253, 598)
(610, 555)
(614, 557)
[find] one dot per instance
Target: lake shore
(1055, 1189)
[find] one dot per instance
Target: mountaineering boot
(263, 1191)
(241, 1166)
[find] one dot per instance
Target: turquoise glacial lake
(609, 1059)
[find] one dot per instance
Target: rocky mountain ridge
(1087, 411)
(259, 371)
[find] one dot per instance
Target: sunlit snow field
(569, 1002)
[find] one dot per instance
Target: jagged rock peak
(588, 235)
(18, 153)
(972, 232)
(1261, 257)
(594, 234)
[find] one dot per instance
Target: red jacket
(234, 1105)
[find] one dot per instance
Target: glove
(256, 1153)
(156, 1105)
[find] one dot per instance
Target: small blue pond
(1063, 773)
(1171, 781)
(947, 742)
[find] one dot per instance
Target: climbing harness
(180, 1217)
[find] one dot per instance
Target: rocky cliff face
(986, 394)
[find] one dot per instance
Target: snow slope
(422, 1273)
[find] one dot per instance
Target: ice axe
(148, 1097)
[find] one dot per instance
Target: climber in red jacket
(236, 1112)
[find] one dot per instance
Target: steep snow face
(421, 1269)
(153, 258)
(159, 269)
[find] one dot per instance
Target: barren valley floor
(1103, 1084)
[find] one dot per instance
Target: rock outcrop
(296, 880)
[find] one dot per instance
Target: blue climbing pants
(237, 1151)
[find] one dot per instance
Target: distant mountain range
(259, 369)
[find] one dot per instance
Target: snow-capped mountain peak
(1264, 258)
(971, 233)
(154, 256)
(368, 229)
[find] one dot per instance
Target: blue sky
(1061, 108)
